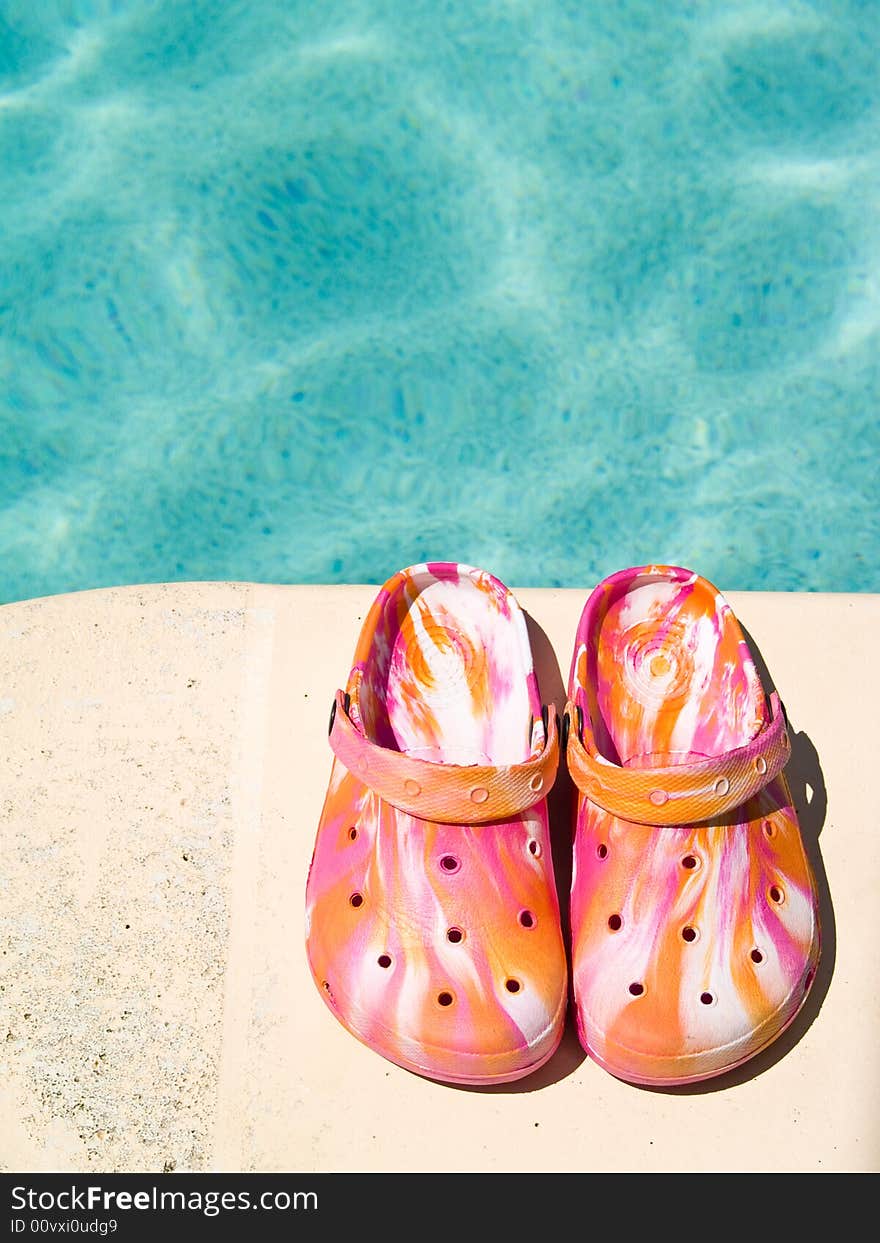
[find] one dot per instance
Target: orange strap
(681, 793)
(444, 793)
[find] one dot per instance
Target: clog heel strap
(680, 793)
(444, 793)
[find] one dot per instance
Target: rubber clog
(695, 928)
(432, 917)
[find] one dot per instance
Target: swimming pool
(299, 292)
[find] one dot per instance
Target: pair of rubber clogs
(432, 916)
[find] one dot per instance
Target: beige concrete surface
(163, 761)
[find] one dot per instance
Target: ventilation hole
(534, 848)
(455, 935)
(527, 919)
(445, 999)
(449, 863)
(325, 984)
(602, 850)
(776, 894)
(756, 956)
(769, 828)
(512, 986)
(689, 933)
(689, 861)
(352, 834)
(636, 989)
(356, 899)
(615, 923)
(760, 765)
(706, 999)
(384, 960)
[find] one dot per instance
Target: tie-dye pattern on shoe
(695, 930)
(433, 928)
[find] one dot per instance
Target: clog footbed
(432, 926)
(695, 930)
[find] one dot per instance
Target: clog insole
(457, 689)
(675, 679)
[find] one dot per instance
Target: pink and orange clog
(432, 927)
(695, 927)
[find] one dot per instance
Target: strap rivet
(536, 782)
(722, 786)
(658, 797)
(412, 787)
(479, 794)
(761, 765)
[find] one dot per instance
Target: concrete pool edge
(164, 762)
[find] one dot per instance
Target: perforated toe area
(693, 947)
(446, 955)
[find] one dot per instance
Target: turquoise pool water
(306, 292)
